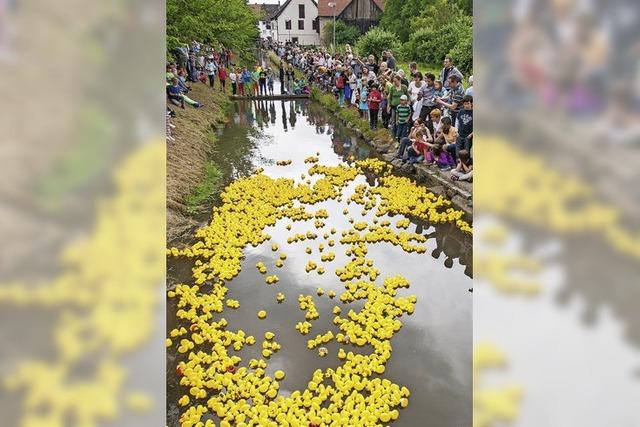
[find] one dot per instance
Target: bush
(375, 41)
(431, 45)
(462, 52)
(345, 34)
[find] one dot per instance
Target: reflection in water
(272, 111)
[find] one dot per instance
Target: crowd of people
(430, 116)
(197, 62)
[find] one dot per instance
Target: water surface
(432, 351)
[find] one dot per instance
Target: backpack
(340, 82)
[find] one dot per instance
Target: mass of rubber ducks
(215, 379)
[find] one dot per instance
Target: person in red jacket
(374, 100)
(222, 76)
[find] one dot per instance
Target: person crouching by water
(464, 169)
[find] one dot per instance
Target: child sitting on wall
(439, 157)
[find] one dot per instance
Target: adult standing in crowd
(211, 68)
(394, 93)
(455, 95)
(283, 87)
(449, 70)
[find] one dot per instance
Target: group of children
(258, 82)
(437, 141)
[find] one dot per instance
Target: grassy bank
(191, 177)
(205, 189)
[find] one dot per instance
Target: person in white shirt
(211, 68)
(469, 90)
(234, 81)
(415, 94)
(435, 121)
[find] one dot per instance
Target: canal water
(432, 351)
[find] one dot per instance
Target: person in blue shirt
(176, 95)
(246, 80)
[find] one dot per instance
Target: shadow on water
(432, 352)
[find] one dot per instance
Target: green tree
(431, 29)
(231, 23)
(345, 34)
(398, 14)
(375, 41)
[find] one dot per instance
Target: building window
(287, 24)
(294, 40)
(301, 24)
(314, 24)
(301, 11)
(268, 25)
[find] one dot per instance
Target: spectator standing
(384, 107)
(428, 93)
(283, 88)
(233, 76)
(402, 116)
(390, 60)
(270, 81)
(394, 93)
(371, 64)
(255, 81)
(464, 126)
(469, 90)
(449, 70)
(245, 82)
(374, 99)
(340, 84)
(191, 68)
(211, 69)
(416, 88)
(262, 79)
(349, 87)
(403, 78)
(222, 75)
(455, 95)
(364, 103)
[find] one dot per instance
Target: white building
(267, 23)
(297, 21)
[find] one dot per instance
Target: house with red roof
(363, 14)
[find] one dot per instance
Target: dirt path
(187, 156)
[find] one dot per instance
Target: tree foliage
(431, 29)
(399, 13)
(345, 34)
(375, 41)
(231, 23)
